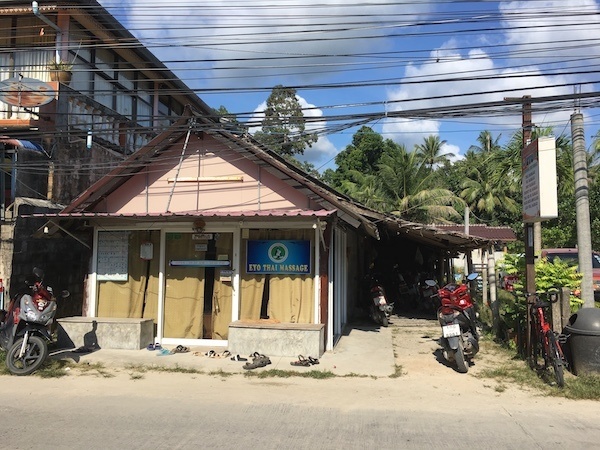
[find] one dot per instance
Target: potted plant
(60, 71)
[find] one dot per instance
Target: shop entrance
(198, 285)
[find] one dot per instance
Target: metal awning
(23, 144)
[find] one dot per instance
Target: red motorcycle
(379, 308)
(456, 315)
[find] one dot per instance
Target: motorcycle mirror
(472, 276)
(38, 272)
(65, 294)
(430, 283)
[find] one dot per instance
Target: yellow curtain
(291, 297)
(132, 298)
(252, 286)
(184, 289)
(222, 292)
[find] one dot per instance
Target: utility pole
(529, 235)
(529, 230)
(582, 209)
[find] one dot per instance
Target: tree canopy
(284, 125)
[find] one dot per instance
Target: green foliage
(548, 274)
(284, 126)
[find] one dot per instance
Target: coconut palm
(431, 151)
(364, 188)
(411, 191)
(487, 143)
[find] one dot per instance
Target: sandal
(250, 365)
(163, 352)
(302, 361)
(262, 361)
(224, 354)
(180, 349)
(312, 360)
(238, 358)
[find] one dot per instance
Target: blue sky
(366, 58)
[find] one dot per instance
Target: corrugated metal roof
(191, 214)
(498, 234)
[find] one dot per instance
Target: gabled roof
(98, 21)
(353, 213)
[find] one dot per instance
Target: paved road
(180, 411)
(428, 406)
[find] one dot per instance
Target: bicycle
(544, 342)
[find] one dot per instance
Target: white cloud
(259, 39)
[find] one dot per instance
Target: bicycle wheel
(555, 355)
(534, 351)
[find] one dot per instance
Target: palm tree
(487, 143)
(430, 151)
(364, 188)
(410, 189)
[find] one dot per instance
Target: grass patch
(176, 369)
(54, 369)
(397, 371)
(277, 373)
(517, 371)
(51, 368)
(583, 387)
(221, 373)
(95, 369)
(357, 375)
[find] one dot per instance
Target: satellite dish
(26, 92)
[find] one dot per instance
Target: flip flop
(150, 347)
(224, 354)
(238, 358)
(302, 361)
(313, 360)
(163, 352)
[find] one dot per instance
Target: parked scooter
(456, 315)
(379, 308)
(429, 300)
(24, 331)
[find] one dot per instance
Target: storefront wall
(193, 283)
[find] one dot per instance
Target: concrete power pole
(582, 209)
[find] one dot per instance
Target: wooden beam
(206, 179)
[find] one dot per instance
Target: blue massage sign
(285, 257)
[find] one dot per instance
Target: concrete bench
(105, 332)
(276, 339)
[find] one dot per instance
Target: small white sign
(201, 247)
(225, 275)
(202, 236)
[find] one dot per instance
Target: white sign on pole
(540, 199)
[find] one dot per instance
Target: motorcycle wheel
(459, 357)
(384, 319)
(35, 355)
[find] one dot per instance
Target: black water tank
(583, 333)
